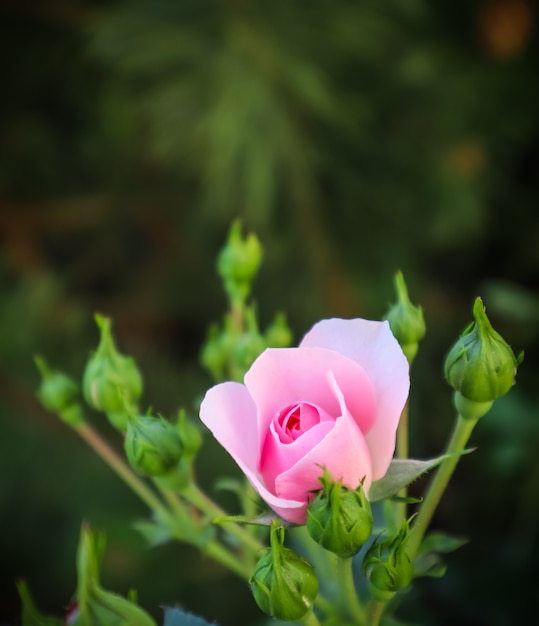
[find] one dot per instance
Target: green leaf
(440, 542)
(402, 472)
(177, 617)
(155, 532)
(262, 520)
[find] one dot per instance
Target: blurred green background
(355, 138)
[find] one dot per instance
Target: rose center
(294, 420)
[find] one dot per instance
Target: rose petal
(343, 452)
(373, 346)
(277, 457)
(230, 414)
(282, 377)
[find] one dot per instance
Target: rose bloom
(334, 402)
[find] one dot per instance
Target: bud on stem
(480, 366)
(284, 584)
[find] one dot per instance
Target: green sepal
(30, 614)
(402, 472)
(428, 561)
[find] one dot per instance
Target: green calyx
(406, 320)
(481, 366)
(387, 566)
(111, 381)
(95, 604)
(338, 518)
(152, 445)
(284, 584)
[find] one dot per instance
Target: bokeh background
(355, 138)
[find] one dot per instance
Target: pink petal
(277, 457)
(373, 346)
(282, 377)
(343, 452)
(230, 414)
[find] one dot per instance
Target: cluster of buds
(228, 352)
(338, 518)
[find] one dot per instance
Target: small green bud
(152, 445)
(58, 393)
(480, 366)
(284, 584)
(190, 435)
(238, 262)
(338, 518)
(249, 345)
(212, 356)
(387, 566)
(406, 320)
(111, 382)
(278, 335)
(95, 605)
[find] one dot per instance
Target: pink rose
(335, 401)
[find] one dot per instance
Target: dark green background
(355, 138)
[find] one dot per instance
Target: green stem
(402, 453)
(180, 517)
(197, 497)
(310, 619)
(222, 555)
(350, 596)
(461, 433)
(109, 455)
(375, 612)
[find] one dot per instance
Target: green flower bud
(338, 518)
(95, 605)
(238, 262)
(406, 320)
(212, 356)
(152, 445)
(480, 366)
(278, 335)
(387, 566)
(58, 393)
(249, 345)
(190, 435)
(284, 584)
(111, 382)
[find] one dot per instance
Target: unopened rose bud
(249, 345)
(111, 381)
(152, 445)
(387, 566)
(406, 320)
(338, 518)
(95, 606)
(480, 366)
(59, 393)
(238, 262)
(190, 435)
(284, 584)
(278, 335)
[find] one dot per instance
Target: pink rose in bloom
(334, 401)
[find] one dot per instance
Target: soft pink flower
(333, 402)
